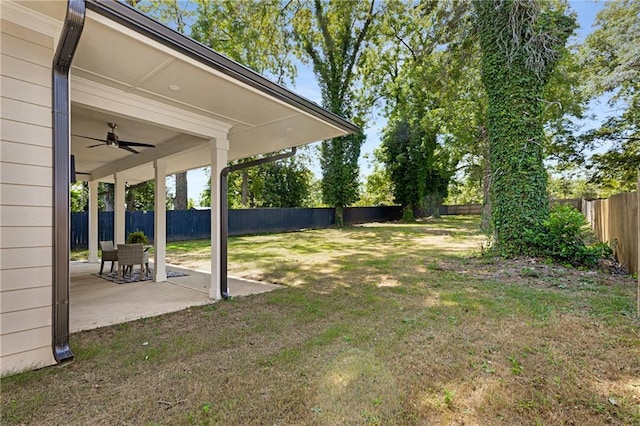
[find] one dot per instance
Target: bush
(562, 238)
(137, 237)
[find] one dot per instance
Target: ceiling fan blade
(126, 148)
(87, 137)
(125, 143)
(83, 173)
(94, 146)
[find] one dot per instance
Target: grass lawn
(380, 324)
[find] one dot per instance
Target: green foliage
(137, 237)
(426, 70)
(174, 13)
(609, 60)
(253, 33)
(79, 193)
(562, 237)
(405, 153)
(377, 187)
(286, 183)
(516, 367)
(520, 44)
(141, 196)
(568, 187)
(409, 153)
(333, 35)
(339, 163)
(616, 168)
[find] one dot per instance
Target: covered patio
(184, 107)
(96, 302)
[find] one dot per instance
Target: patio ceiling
(162, 96)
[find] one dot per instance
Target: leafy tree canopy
(611, 66)
(332, 36)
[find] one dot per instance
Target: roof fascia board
(103, 98)
(142, 24)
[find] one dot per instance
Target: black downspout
(69, 38)
(224, 211)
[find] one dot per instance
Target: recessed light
(289, 129)
(174, 87)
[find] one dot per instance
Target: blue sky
(306, 86)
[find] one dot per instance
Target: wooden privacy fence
(615, 220)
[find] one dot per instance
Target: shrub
(137, 237)
(562, 237)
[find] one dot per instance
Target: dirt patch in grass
(381, 324)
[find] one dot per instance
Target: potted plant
(137, 237)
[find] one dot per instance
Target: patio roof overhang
(165, 89)
(113, 64)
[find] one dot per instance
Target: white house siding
(26, 231)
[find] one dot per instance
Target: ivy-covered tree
(520, 44)
(333, 34)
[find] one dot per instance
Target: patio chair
(109, 253)
(130, 255)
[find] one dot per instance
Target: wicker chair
(130, 255)
(109, 254)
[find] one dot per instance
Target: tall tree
(610, 61)
(425, 72)
(520, 44)
(333, 34)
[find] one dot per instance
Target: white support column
(93, 221)
(119, 209)
(160, 222)
(219, 153)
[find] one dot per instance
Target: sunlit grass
(378, 324)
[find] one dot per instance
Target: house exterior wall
(26, 194)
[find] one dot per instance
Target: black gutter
(69, 38)
(137, 21)
(224, 211)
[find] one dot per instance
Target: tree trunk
(408, 214)
(486, 181)
(339, 216)
(516, 63)
(181, 200)
(245, 188)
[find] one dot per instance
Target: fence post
(638, 237)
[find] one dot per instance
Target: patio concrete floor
(96, 302)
